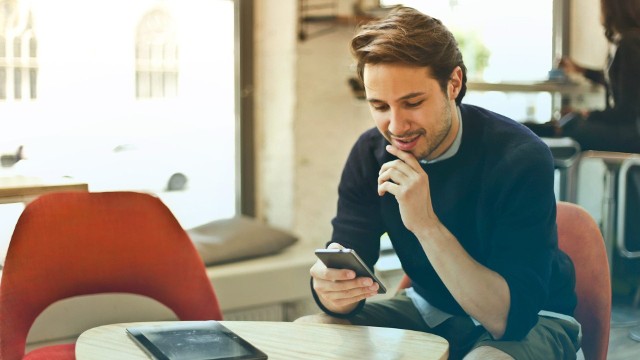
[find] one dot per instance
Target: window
(18, 50)
(492, 33)
(503, 41)
(132, 96)
(156, 56)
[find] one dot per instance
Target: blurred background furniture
(618, 210)
(628, 229)
(316, 17)
(68, 244)
(18, 188)
(566, 153)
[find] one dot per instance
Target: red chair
(580, 237)
(78, 243)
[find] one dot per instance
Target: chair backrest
(579, 236)
(79, 243)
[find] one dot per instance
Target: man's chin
(419, 155)
(422, 155)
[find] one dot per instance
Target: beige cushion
(240, 237)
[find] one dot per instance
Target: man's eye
(415, 104)
(380, 107)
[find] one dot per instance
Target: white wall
(588, 45)
(275, 66)
(328, 121)
(306, 118)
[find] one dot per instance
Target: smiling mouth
(406, 143)
(407, 140)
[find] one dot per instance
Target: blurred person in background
(617, 127)
(614, 128)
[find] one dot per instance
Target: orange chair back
(78, 243)
(579, 236)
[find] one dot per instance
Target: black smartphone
(348, 259)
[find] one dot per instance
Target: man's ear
(455, 83)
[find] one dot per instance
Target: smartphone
(348, 259)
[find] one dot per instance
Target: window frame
(244, 99)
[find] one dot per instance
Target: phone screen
(348, 259)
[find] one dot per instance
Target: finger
(393, 174)
(342, 301)
(343, 286)
(335, 245)
(388, 186)
(348, 301)
(396, 164)
(334, 291)
(408, 158)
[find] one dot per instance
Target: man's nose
(398, 122)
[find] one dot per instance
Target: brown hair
(410, 37)
(619, 16)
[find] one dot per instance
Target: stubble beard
(438, 138)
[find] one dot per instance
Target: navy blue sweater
(495, 196)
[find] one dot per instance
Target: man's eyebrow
(411, 95)
(405, 97)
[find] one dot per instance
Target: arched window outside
(18, 52)
(156, 56)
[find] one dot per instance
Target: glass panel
(17, 84)
(510, 43)
(33, 48)
(17, 48)
(87, 122)
(33, 83)
(501, 43)
(520, 106)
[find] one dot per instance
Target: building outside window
(156, 56)
(18, 52)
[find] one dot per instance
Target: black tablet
(191, 340)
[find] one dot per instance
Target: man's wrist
(434, 229)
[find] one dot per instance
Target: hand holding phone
(348, 259)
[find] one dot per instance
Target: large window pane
(501, 41)
(87, 122)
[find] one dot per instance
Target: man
(466, 196)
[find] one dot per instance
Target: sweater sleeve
(523, 232)
(358, 222)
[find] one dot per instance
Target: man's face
(411, 110)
